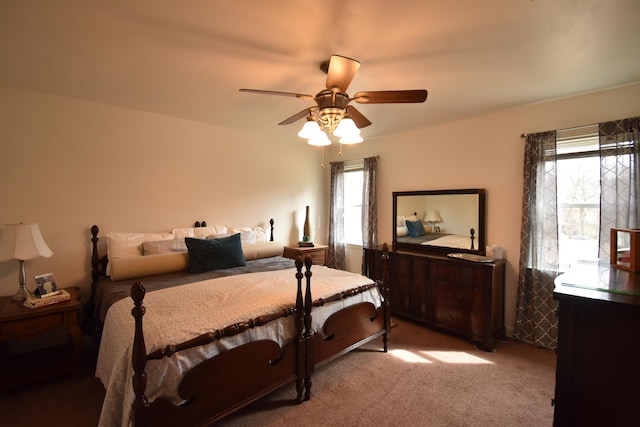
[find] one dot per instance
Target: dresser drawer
(479, 324)
(478, 298)
(318, 257)
(318, 253)
(450, 294)
(451, 317)
(450, 273)
(32, 326)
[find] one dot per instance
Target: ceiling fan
(332, 110)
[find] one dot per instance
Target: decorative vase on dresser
(306, 232)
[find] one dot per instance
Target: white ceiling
(188, 59)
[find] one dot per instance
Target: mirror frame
(480, 233)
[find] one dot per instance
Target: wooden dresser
(597, 374)
(455, 295)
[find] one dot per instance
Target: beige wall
(482, 152)
(67, 164)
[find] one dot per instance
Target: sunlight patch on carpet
(459, 357)
(408, 356)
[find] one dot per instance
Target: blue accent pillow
(415, 228)
(214, 254)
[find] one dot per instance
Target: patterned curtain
(619, 178)
(536, 320)
(336, 252)
(369, 207)
(369, 204)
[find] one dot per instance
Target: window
(353, 182)
(578, 196)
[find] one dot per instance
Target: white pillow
(402, 231)
(123, 245)
(181, 233)
(261, 234)
(250, 235)
(247, 236)
(163, 247)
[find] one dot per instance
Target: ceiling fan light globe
(309, 129)
(319, 140)
(346, 127)
(351, 139)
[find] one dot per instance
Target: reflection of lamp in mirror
(22, 242)
(432, 217)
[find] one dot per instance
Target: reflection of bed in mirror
(441, 239)
(440, 220)
(416, 235)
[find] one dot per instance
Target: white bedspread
(177, 314)
(451, 241)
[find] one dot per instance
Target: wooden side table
(19, 322)
(318, 253)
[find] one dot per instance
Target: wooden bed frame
(239, 376)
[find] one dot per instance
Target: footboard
(227, 382)
(350, 327)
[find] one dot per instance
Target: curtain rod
(353, 160)
(524, 135)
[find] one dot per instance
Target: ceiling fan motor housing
(327, 99)
(331, 107)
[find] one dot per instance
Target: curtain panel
(369, 204)
(536, 320)
(619, 178)
(336, 251)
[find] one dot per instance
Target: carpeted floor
(427, 379)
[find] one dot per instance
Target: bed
(202, 345)
(411, 230)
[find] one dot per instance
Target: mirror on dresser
(440, 220)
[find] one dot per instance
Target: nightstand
(20, 322)
(318, 253)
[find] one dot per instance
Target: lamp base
(21, 295)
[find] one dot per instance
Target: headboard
(99, 264)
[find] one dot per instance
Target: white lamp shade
(23, 242)
(309, 129)
(432, 215)
(346, 128)
(320, 139)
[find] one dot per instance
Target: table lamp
(432, 216)
(22, 242)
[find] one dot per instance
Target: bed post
(308, 331)
(385, 297)
(271, 221)
(473, 233)
(139, 355)
(95, 258)
(300, 343)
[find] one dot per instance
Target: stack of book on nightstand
(302, 244)
(35, 301)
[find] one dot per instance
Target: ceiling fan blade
(341, 71)
(357, 117)
(273, 92)
(296, 117)
(391, 96)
